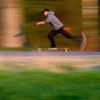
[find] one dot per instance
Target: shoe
(83, 41)
(80, 40)
(52, 48)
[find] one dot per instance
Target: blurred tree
(11, 19)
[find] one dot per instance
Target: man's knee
(50, 36)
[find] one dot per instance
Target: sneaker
(80, 40)
(52, 48)
(83, 41)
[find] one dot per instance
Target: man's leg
(77, 39)
(67, 34)
(51, 35)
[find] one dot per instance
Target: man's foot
(54, 48)
(83, 41)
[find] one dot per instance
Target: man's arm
(40, 23)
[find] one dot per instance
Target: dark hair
(45, 10)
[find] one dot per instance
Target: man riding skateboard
(57, 27)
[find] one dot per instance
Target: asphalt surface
(30, 53)
(48, 60)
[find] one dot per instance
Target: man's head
(45, 12)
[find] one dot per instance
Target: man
(57, 27)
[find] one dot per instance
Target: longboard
(50, 49)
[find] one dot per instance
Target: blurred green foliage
(68, 11)
(44, 85)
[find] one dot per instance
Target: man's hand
(40, 23)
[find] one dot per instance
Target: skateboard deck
(50, 49)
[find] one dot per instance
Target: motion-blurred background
(18, 18)
(43, 76)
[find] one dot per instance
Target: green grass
(44, 85)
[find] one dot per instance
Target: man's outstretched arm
(40, 23)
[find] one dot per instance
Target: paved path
(50, 60)
(13, 53)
